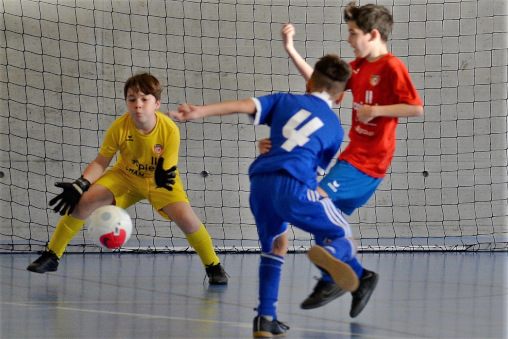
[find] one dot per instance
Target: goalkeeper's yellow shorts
(129, 189)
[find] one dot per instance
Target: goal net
(63, 65)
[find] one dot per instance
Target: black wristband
(83, 184)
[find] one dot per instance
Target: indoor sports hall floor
(419, 295)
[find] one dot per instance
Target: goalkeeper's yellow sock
(202, 244)
(66, 229)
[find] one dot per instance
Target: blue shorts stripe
(336, 216)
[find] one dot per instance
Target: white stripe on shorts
(335, 216)
(313, 195)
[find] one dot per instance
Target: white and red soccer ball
(110, 226)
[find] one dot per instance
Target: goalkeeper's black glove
(164, 178)
(68, 199)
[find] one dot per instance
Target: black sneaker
(362, 295)
(216, 274)
(341, 273)
(324, 292)
(47, 262)
(264, 328)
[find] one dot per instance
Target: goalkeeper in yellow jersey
(148, 142)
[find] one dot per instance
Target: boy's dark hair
(369, 17)
(144, 83)
(331, 73)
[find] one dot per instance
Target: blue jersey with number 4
(305, 133)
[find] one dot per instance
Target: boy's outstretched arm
(366, 113)
(96, 168)
(188, 112)
(288, 32)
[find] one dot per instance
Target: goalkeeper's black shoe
(264, 328)
(361, 296)
(216, 274)
(47, 262)
(324, 292)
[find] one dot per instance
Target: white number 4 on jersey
(299, 137)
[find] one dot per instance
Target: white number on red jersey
(368, 97)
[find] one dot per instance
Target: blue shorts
(277, 199)
(348, 187)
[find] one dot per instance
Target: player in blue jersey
(306, 134)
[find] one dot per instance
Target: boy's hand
(164, 178)
(186, 112)
(288, 32)
(67, 200)
(365, 114)
(264, 145)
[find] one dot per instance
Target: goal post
(63, 65)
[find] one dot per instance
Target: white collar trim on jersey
(325, 96)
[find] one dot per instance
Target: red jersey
(383, 82)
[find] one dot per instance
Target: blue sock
(356, 266)
(270, 269)
(341, 248)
